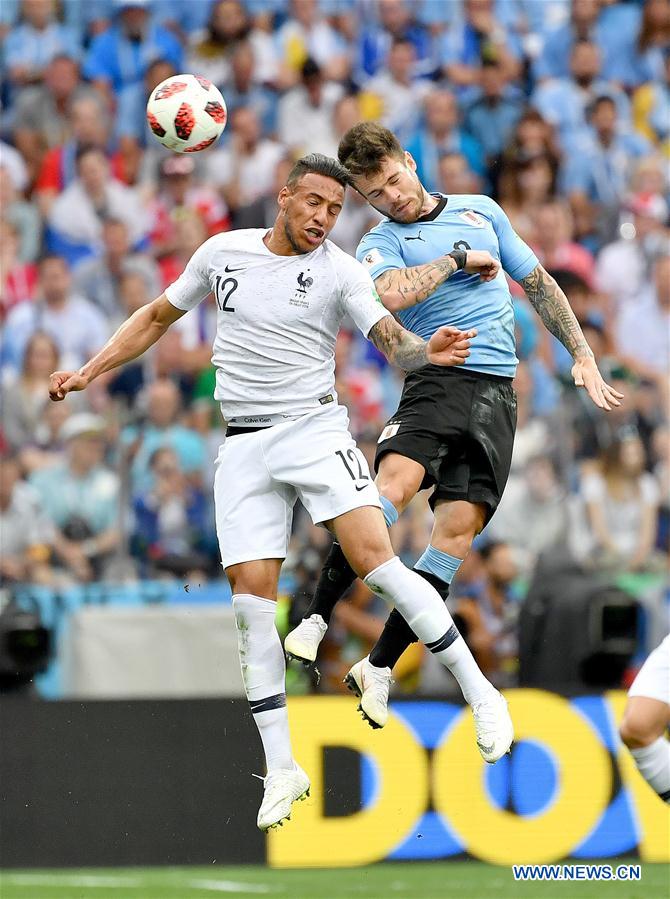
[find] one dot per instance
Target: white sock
(424, 610)
(653, 763)
(264, 674)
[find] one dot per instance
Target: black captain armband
(460, 257)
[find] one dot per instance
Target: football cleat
(281, 789)
(493, 726)
(302, 644)
(372, 685)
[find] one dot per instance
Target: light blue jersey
(468, 222)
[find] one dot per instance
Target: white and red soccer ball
(187, 113)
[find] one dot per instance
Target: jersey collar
(433, 214)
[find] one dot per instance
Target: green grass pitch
(450, 880)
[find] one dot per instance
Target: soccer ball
(186, 113)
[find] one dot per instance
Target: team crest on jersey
(300, 296)
(374, 257)
(473, 219)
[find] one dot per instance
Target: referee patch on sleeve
(389, 431)
(373, 257)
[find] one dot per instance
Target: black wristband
(460, 257)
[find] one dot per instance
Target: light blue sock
(440, 564)
(389, 510)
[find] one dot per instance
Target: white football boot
(302, 644)
(493, 725)
(282, 789)
(372, 685)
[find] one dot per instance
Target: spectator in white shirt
(305, 113)
(399, 92)
(244, 170)
(77, 216)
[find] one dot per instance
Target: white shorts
(259, 476)
(653, 678)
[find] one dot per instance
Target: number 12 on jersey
(225, 288)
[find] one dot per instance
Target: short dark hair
(365, 146)
(318, 164)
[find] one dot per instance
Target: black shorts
(460, 426)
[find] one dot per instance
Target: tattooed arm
(552, 305)
(403, 287)
(447, 346)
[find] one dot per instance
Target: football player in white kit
(646, 720)
(281, 296)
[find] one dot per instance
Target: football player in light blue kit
(441, 259)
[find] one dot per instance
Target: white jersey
(277, 319)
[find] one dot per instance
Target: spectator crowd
(558, 109)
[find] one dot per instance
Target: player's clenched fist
(62, 382)
(480, 262)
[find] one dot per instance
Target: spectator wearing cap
(564, 102)
(305, 113)
(306, 34)
(75, 324)
(25, 532)
(122, 54)
(80, 496)
(76, 220)
(179, 193)
(439, 134)
(41, 118)
(624, 267)
(596, 174)
(31, 45)
(395, 95)
(99, 278)
(244, 169)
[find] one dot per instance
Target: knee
(397, 492)
(637, 733)
(254, 583)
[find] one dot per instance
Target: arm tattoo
(552, 305)
(400, 347)
(414, 285)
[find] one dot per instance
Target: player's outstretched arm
(133, 338)
(401, 288)
(447, 346)
(552, 305)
